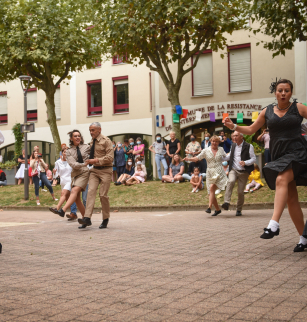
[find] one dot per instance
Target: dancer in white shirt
(241, 163)
(63, 169)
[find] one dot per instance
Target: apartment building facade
(126, 99)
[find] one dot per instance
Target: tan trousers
(103, 178)
(242, 180)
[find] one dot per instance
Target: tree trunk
(52, 122)
(173, 97)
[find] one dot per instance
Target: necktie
(80, 159)
(92, 150)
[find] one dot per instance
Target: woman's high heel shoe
(217, 212)
(208, 211)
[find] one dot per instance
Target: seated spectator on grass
(225, 167)
(176, 170)
(200, 165)
(3, 181)
(138, 177)
(139, 161)
(254, 180)
(128, 173)
(197, 180)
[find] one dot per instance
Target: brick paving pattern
(181, 266)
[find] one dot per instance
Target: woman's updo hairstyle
(274, 85)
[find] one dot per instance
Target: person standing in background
(119, 154)
(21, 170)
(159, 151)
(206, 142)
(101, 158)
(3, 181)
(265, 137)
(193, 148)
(173, 147)
(139, 150)
(226, 144)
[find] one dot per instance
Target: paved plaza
(180, 266)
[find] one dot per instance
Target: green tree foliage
(18, 140)
(284, 20)
(46, 40)
(165, 32)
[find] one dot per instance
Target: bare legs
(212, 199)
(19, 181)
(167, 178)
(294, 208)
(75, 196)
(64, 197)
(132, 180)
(286, 192)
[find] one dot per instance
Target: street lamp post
(24, 78)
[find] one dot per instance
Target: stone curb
(251, 206)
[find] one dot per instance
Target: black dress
(287, 146)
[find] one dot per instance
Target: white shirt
(64, 171)
(207, 144)
(1, 138)
(237, 157)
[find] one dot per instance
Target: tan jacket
(33, 165)
(103, 151)
(72, 157)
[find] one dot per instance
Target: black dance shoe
(85, 221)
(238, 213)
(299, 248)
(270, 234)
(225, 205)
(104, 223)
(208, 211)
(61, 212)
(0, 248)
(54, 210)
(217, 212)
(82, 227)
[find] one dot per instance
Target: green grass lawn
(151, 193)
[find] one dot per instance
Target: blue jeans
(3, 183)
(44, 179)
(73, 207)
(160, 158)
(188, 177)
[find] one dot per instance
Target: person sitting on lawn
(138, 177)
(254, 180)
(138, 160)
(200, 165)
(3, 181)
(197, 180)
(175, 171)
(129, 171)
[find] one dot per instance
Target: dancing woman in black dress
(288, 148)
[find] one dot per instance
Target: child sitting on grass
(138, 177)
(254, 180)
(196, 180)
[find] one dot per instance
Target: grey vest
(244, 156)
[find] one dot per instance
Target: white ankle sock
(303, 240)
(273, 225)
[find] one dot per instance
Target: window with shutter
(239, 62)
(57, 103)
(94, 97)
(3, 107)
(121, 94)
(202, 76)
(32, 105)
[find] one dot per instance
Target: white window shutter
(202, 76)
(121, 82)
(3, 104)
(57, 103)
(31, 101)
(240, 70)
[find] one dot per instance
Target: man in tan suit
(101, 158)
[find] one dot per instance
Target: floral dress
(215, 172)
(193, 147)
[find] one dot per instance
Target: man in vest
(241, 164)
